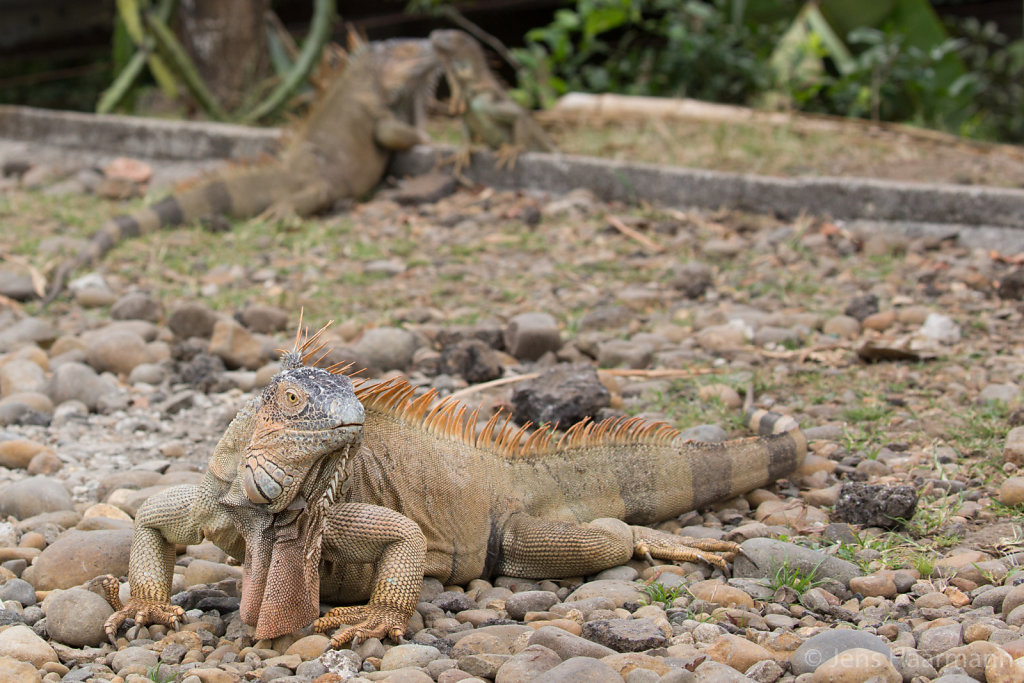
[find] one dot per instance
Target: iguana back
(461, 488)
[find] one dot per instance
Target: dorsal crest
(450, 419)
(306, 347)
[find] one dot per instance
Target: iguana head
(308, 423)
(407, 73)
(463, 61)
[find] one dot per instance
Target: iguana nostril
(347, 412)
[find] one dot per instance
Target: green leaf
(603, 20)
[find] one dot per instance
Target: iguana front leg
(535, 548)
(358, 533)
(163, 520)
(392, 133)
(177, 515)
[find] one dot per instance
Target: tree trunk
(227, 40)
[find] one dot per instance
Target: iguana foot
(507, 155)
(459, 160)
(144, 612)
(362, 621)
(282, 215)
(665, 546)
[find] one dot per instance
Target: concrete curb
(136, 136)
(840, 198)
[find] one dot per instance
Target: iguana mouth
(265, 482)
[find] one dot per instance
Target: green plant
(998, 65)
(924, 563)
(646, 47)
(800, 580)
(657, 592)
(887, 79)
(153, 674)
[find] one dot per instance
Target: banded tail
(644, 475)
(242, 193)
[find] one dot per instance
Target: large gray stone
(387, 348)
(192, 319)
(580, 669)
(762, 557)
(409, 654)
(16, 283)
(33, 496)
(136, 306)
(525, 666)
(78, 382)
(18, 590)
(625, 635)
(75, 617)
(566, 645)
(80, 556)
(25, 331)
(117, 351)
(529, 336)
(820, 648)
(518, 604)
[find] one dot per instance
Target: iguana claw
(459, 160)
(506, 156)
(144, 612)
(685, 548)
(281, 214)
(362, 621)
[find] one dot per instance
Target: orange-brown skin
(426, 495)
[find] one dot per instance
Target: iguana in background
(374, 107)
(490, 117)
(427, 495)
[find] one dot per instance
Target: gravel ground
(891, 555)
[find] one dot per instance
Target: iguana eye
(291, 397)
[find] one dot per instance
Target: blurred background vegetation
(952, 65)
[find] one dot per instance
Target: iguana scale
(426, 495)
(490, 117)
(374, 107)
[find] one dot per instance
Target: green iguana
(342, 149)
(490, 117)
(271, 497)
(427, 495)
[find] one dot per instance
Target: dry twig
(629, 232)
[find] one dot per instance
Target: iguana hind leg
(309, 200)
(357, 533)
(537, 548)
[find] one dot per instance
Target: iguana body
(342, 150)
(426, 495)
(490, 117)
